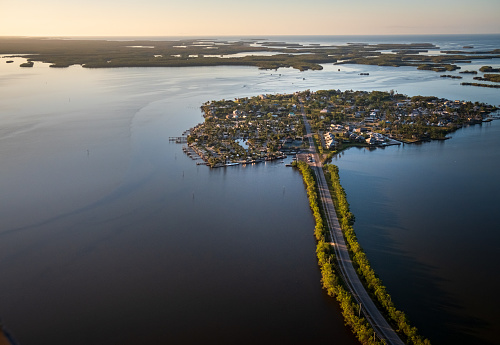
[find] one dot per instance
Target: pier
(194, 155)
(178, 140)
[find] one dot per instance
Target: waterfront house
(371, 141)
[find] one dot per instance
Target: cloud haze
(258, 17)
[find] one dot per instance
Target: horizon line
(257, 35)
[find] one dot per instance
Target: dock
(178, 140)
(191, 153)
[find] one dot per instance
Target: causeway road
(371, 312)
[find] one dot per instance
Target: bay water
(110, 234)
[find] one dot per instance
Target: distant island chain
(260, 53)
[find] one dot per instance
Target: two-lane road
(371, 312)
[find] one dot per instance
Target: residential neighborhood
(267, 127)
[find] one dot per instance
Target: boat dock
(178, 140)
(192, 154)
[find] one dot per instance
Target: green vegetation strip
(375, 287)
(317, 143)
(331, 281)
(326, 260)
(481, 85)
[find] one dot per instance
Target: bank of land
(257, 52)
(266, 127)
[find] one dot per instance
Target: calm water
(110, 234)
(434, 207)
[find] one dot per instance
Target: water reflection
(423, 212)
(103, 242)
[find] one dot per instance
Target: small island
(489, 77)
(450, 76)
(268, 127)
(481, 85)
(489, 69)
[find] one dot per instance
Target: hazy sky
(236, 17)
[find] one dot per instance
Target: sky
(246, 18)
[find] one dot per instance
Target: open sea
(110, 234)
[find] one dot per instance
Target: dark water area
(197, 256)
(109, 234)
(428, 213)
